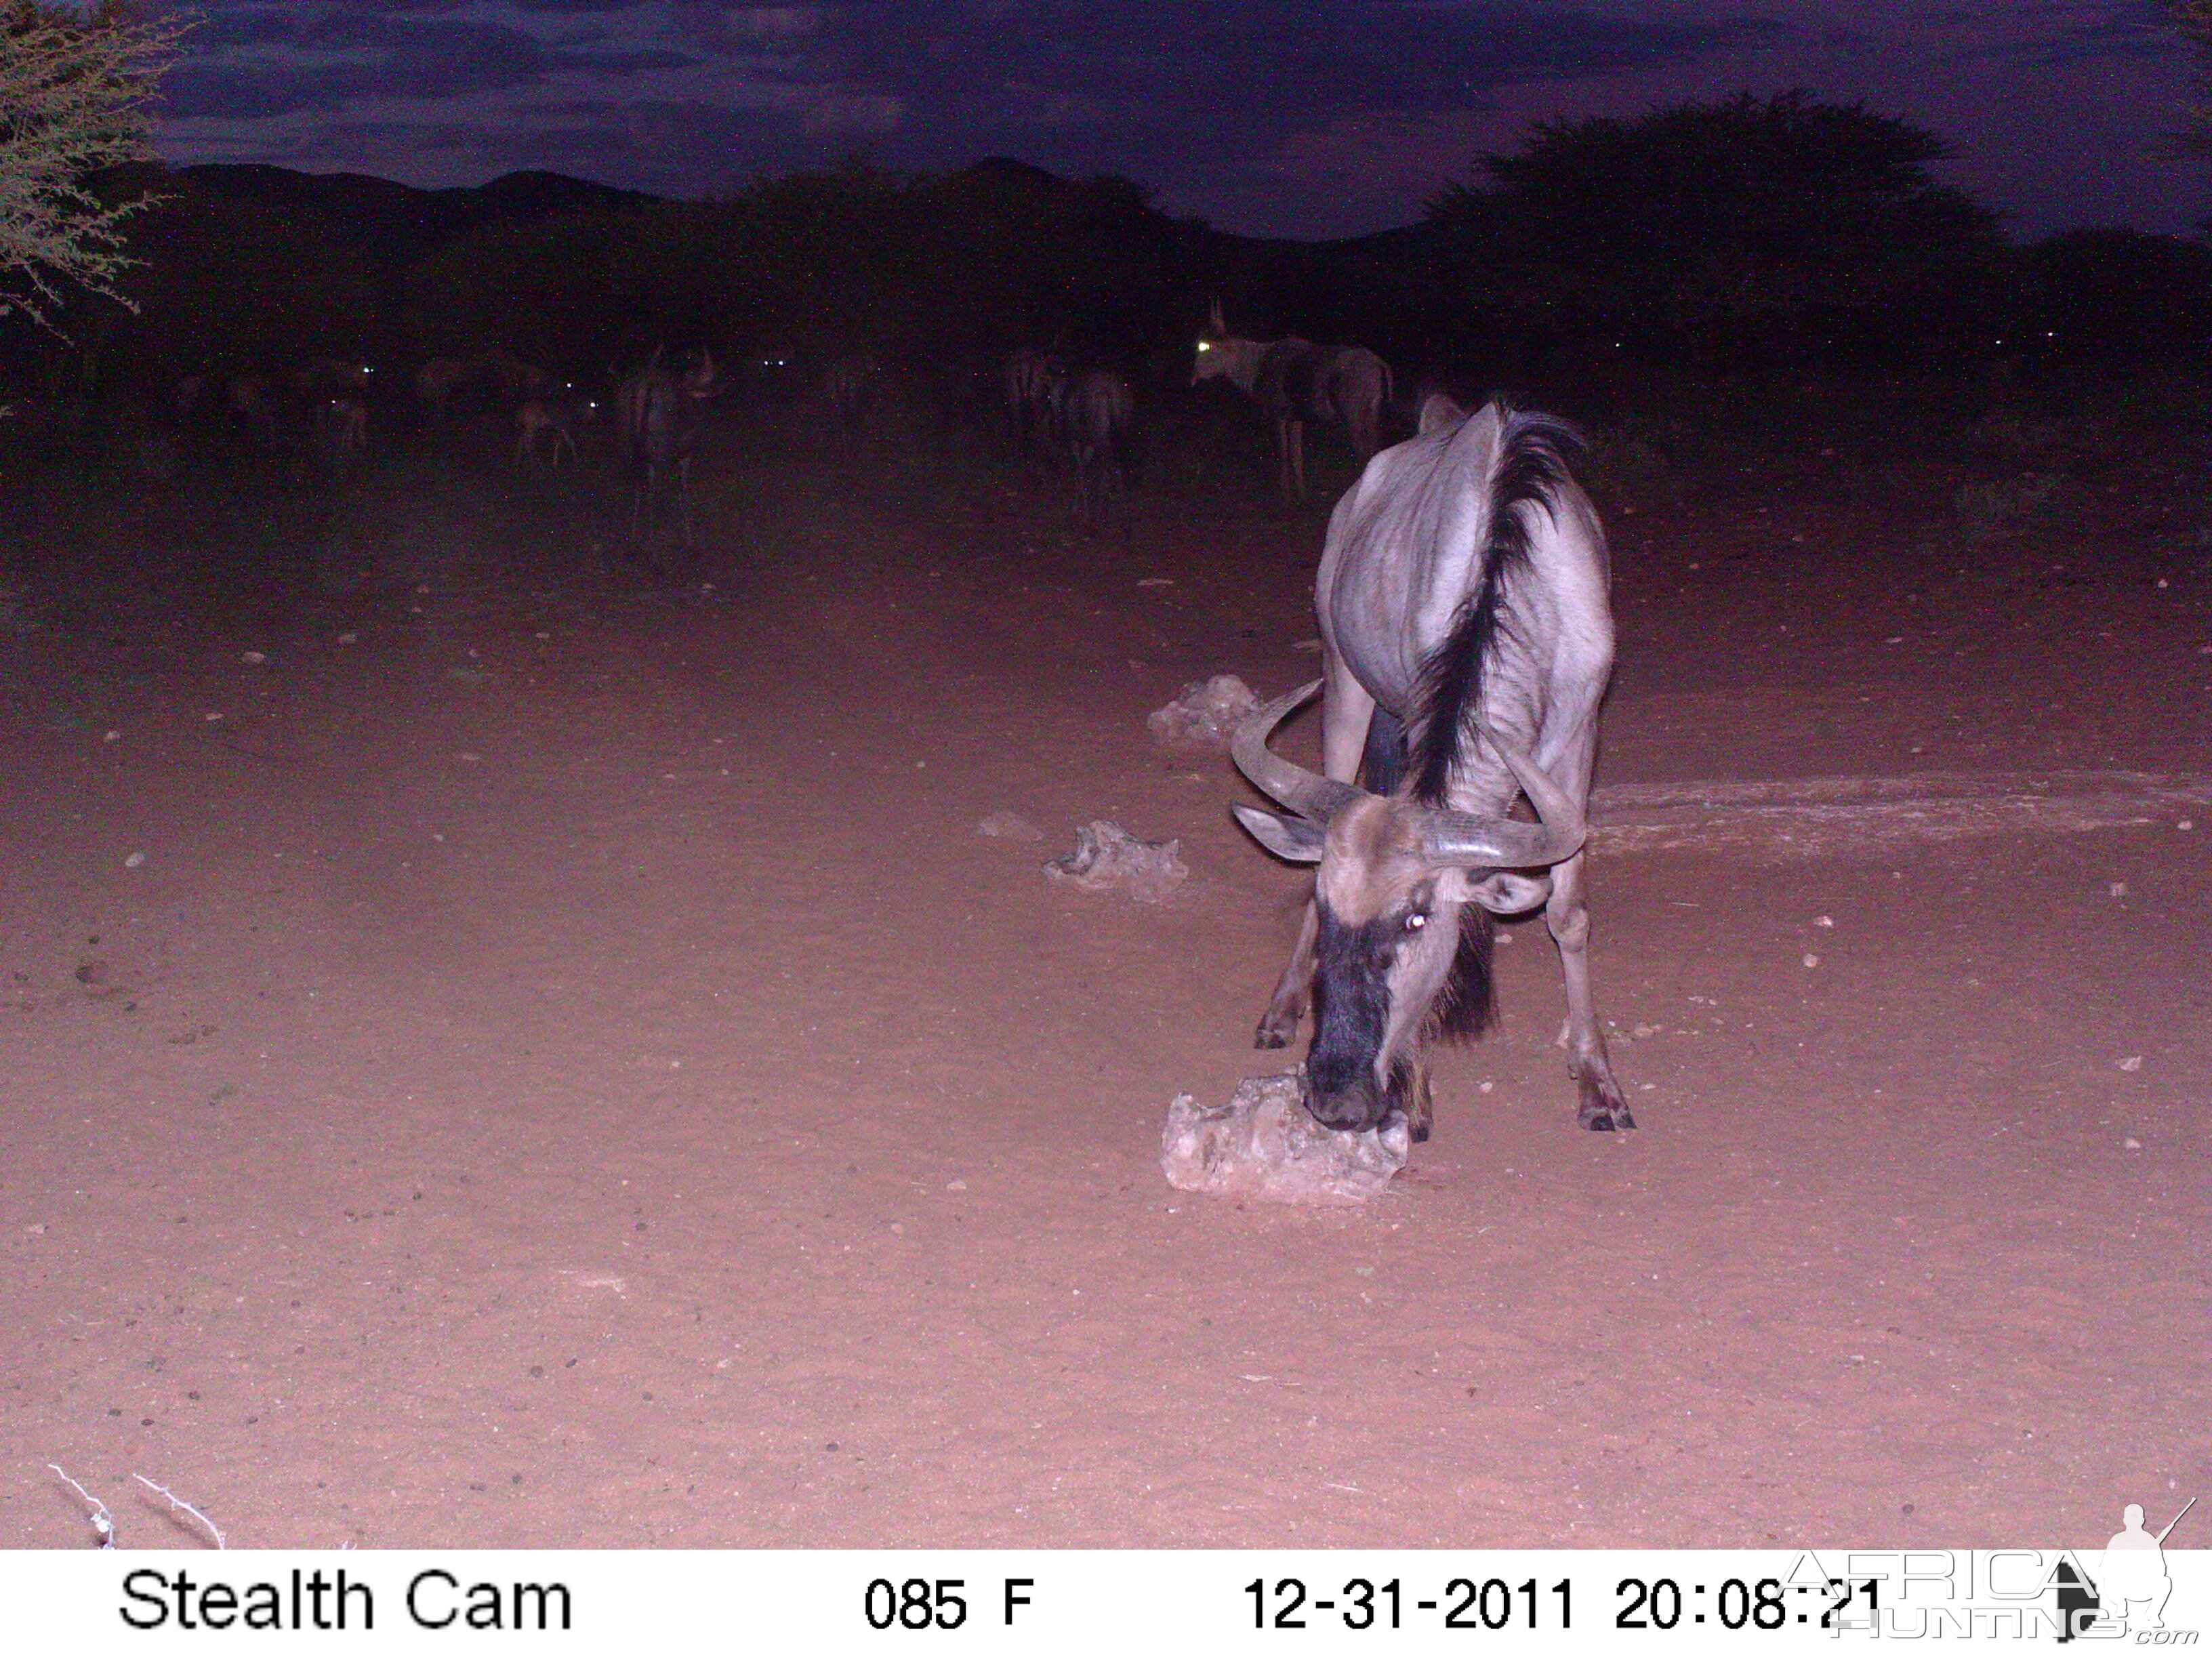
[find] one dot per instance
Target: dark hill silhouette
(994, 169)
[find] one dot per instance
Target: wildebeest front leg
(1421, 1100)
(1293, 991)
(1346, 709)
(1602, 1105)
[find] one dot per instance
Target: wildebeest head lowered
(1466, 639)
(1395, 876)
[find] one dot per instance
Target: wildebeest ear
(1438, 409)
(1297, 840)
(1506, 893)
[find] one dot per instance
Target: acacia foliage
(1704, 233)
(74, 90)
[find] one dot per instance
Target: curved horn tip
(1565, 827)
(1306, 793)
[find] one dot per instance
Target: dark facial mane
(1351, 999)
(1468, 1005)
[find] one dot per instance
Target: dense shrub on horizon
(818, 266)
(300, 292)
(2118, 293)
(1734, 234)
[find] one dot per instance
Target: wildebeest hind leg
(1602, 1105)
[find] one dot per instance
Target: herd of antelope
(1059, 412)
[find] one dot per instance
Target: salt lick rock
(1107, 858)
(1264, 1143)
(1207, 714)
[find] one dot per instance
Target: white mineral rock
(1207, 714)
(1264, 1143)
(1107, 858)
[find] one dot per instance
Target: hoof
(1417, 1129)
(1275, 1033)
(1604, 1111)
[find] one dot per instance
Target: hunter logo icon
(2131, 1586)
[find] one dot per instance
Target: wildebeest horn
(1464, 839)
(1307, 793)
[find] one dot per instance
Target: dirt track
(567, 1071)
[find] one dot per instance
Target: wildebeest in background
(1263, 371)
(437, 380)
(1294, 381)
(1096, 413)
(1466, 637)
(776, 378)
(548, 424)
(659, 405)
(1028, 378)
(846, 385)
(1350, 389)
(189, 395)
(505, 376)
(341, 426)
(251, 398)
(331, 377)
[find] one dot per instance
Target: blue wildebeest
(438, 382)
(1097, 415)
(1029, 378)
(332, 377)
(660, 406)
(1466, 637)
(846, 385)
(340, 430)
(1294, 381)
(546, 425)
(1350, 389)
(252, 402)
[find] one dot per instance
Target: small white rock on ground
(1264, 1143)
(1206, 715)
(1008, 826)
(1107, 858)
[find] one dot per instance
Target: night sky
(1298, 117)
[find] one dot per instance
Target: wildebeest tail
(1530, 468)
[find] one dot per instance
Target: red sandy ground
(567, 1072)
